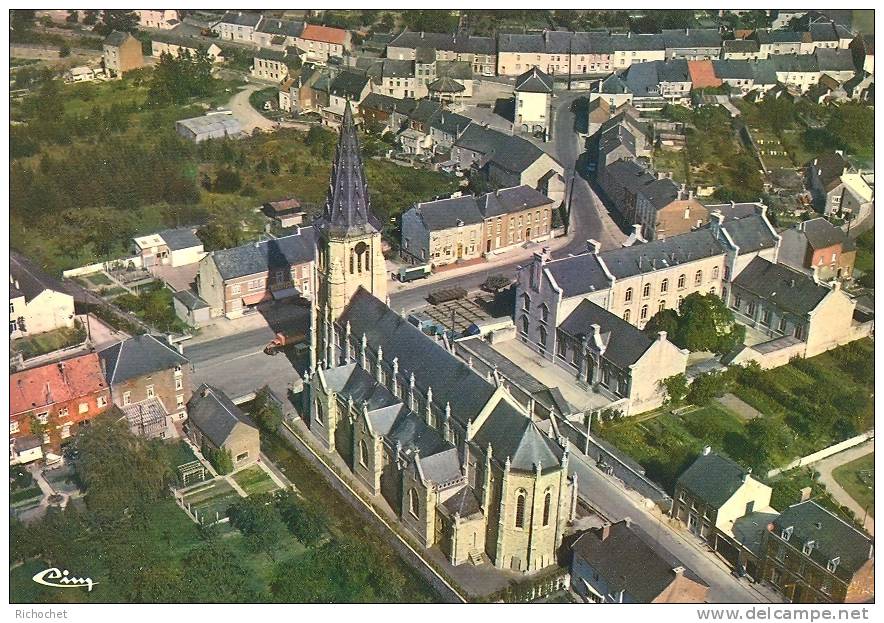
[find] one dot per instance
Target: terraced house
(237, 26)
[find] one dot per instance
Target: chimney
(707, 450)
(678, 570)
(716, 220)
(205, 391)
(637, 230)
(805, 494)
(593, 246)
(627, 521)
(661, 336)
(606, 531)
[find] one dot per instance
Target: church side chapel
(457, 458)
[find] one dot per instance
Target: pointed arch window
(525, 325)
(521, 496)
(414, 505)
(547, 504)
(526, 302)
(543, 336)
(363, 453)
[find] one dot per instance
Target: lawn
(858, 479)
(787, 490)
(254, 480)
(865, 251)
(212, 501)
(43, 343)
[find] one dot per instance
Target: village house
(836, 187)
(741, 50)
(286, 212)
(52, 401)
(812, 556)
(214, 422)
(800, 316)
(308, 92)
(445, 128)
(347, 86)
(274, 65)
(468, 227)
(160, 19)
(121, 53)
(277, 34)
(237, 26)
(37, 303)
(234, 281)
(863, 50)
(818, 247)
(693, 44)
(479, 52)
(142, 369)
(711, 496)
(533, 94)
(174, 45)
(775, 42)
(322, 42)
(169, 247)
(634, 48)
(620, 563)
(79, 74)
(377, 108)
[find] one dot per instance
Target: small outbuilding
(215, 422)
(213, 125)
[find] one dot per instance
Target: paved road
(825, 468)
(610, 499)
(248, 117)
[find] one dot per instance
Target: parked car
(411, 273)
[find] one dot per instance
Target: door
(459, 250)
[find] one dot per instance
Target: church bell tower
(348, 242)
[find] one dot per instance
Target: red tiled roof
(703, 74)
(55, 383)
(284, 205)
(742, 33)
(325, 34)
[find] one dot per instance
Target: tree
(706, 324)
(266, 410)
(664, 320)
(220, 458)
(227, 180)
(214, 572)
(64, 50)
(307, 523)
(676, 389)
(707, 386)
(259, 521)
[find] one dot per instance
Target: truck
(283, 339)
(412, 273)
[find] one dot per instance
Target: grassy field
(212, 499)
(254, 480)
(858, 479)
(865, 251)
(43, 343)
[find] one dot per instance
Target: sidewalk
(828, 465)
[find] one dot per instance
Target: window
(786, 533)
(628, 297)
(235, 289)
(765, 317)
(179, 384)
(646, 291)
(363, 454)
(738, 300)
(150, 392)
(179, 400)
(544, 313)
(13, 427)
(520, 509)
(413, 503)
(626, 315)
(832, 565)
(543, 337)
(715, 272)
(808, 547)
(101, 402)
(712, 290)
(65, 431)
(698, 278)
(680, 299)
(727, 273)
(562, 348)
(178, 370)
(644, 312)
(661, 306)
(547, 503)
(750, 309)
(782, 325)
(664, 286)
(525, 325)
(242, 457)
(681, 279)
(43, 417)
(526, 302)
(63, 412)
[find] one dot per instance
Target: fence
(825, 452)
(101, 266)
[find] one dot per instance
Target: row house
(820, 35)
(693, 44)
(346, 86)
(812, 556)
(741, 50)
(654, 201)
(469, 227)
(274, 65)
(237, 26)
(235, 281)
(479, 52)
(150, 381)
(159, 19)
(836, 187)
(277, 33)
(52, 401)
(37, 303)
(174, 45)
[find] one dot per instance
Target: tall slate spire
(347, 206)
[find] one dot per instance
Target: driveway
(825, 468)
(248, 117)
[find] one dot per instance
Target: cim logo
(62, 579)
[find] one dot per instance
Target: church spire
(347, 206)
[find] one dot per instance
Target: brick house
(142, 368)
(234, 281)
(812, 556)
(54, 399)
(121, 53)
(818, 246)
(214, 421)
(620, 563)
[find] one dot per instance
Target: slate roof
(464, 503)
(353, 381)
(450, 123)
(692, 38)
(794, 63)
(271, 55)
(821, 234)
(456, 70)
(442, 467)
(261, 257)
(578, 275)
(788, 289)
(750, 233)
(629, 174)
(348, 84)
(116, 38)
(190, 300)
(749, 530)
(447, 213)
(393, 68)
(830, 167)
(180, 238)
(509, 200)
(520, 43)
(713, 478)
(647, 257)
(452, 380)
(764, 72)
(534, 81)
(512, 434)
(834, 60)
(744, 46)
(732, 69)
(33, 281)
(828, 31)
(413, 434)
(215, 415)
(386, 103)
(511, 153)
(241, 19)
(424, 110)
(768, 36)
(448, 42)
(138, 356)
(832, 536)
(624, 343)
(283, 27)
(630, 560)
(637, 42)
(446, 85)
(613, 85)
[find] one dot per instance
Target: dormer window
(786, 533)
(832, 565)
(808, 547)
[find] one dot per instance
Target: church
(457, 458)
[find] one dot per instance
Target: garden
(42, 343)
(858, 479)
